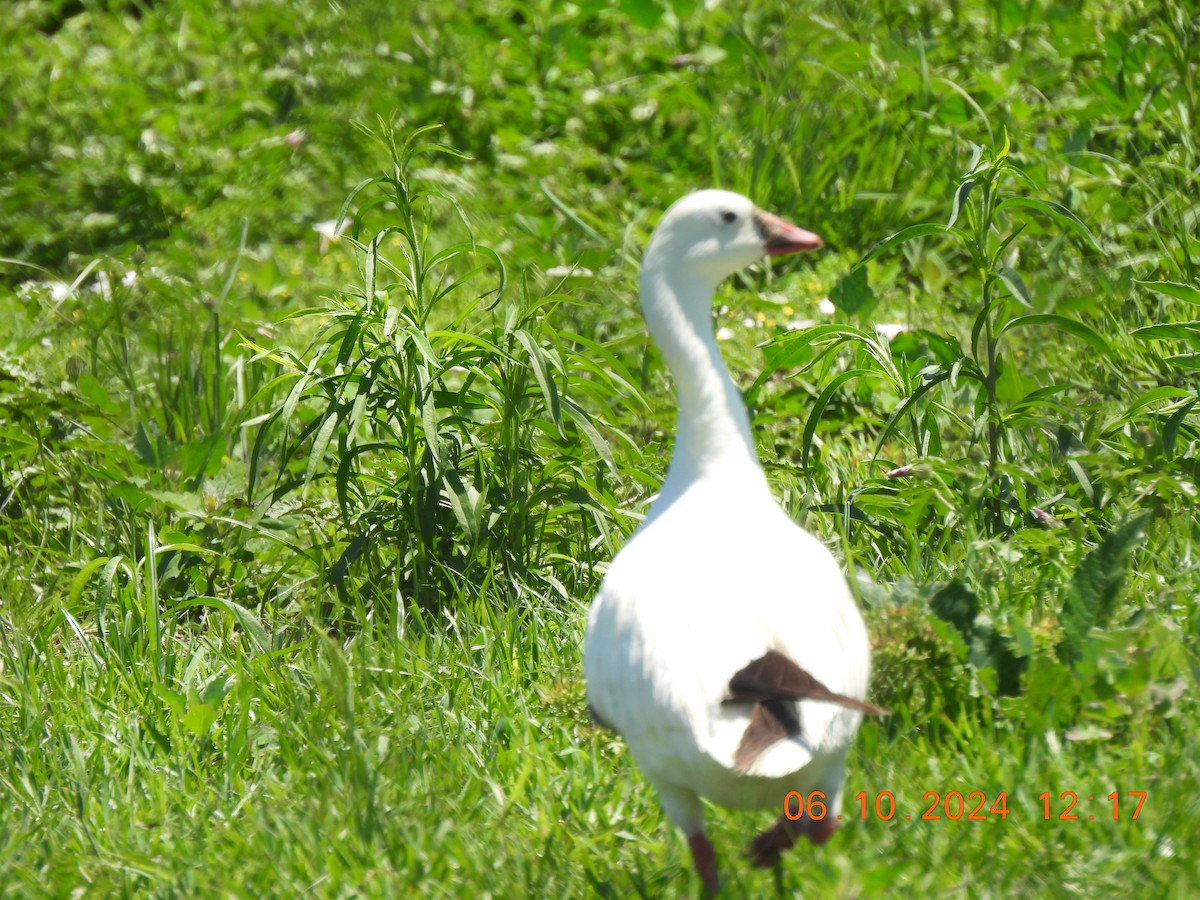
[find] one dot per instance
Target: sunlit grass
(299, 520)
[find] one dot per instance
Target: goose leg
(705, 858)
(766, 849)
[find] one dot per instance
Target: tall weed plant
(466, 440)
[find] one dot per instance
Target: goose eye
(728, 215)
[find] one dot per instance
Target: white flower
(826, 306)
(569, 272)
(102, 285)
(724, 334)
(889, 330)
(644, 111)
(331, 230)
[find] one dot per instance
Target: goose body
(724, 643)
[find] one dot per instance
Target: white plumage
(718, 576)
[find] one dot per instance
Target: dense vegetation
(324, 400)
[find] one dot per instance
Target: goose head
(709, 235)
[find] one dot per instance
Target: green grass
(298, 533)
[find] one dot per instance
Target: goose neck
(713, 437)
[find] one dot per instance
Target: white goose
(724, 644)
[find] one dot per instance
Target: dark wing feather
(772, 683)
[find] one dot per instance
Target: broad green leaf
(464, 506)
(1010, 385)
(175, 701)
(852, 294)
(429, 425)
(202, 457)
(200, 718)
(643, 13)
(349, 340)
(957, 604)
(91, 388)
(137, 499)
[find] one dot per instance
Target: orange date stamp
(971, 806)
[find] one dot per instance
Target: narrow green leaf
(1171, 428)
(1185, 292)
(372, 258)
(1015, 285)
(583, 421)
(912, 232)
(1164, 392)
(818, 408)
(1097, 584)
(794, 348)
(572, 215)
(293, 397)
(960, 198)
(541, 371)
(1175, 331)
(1062, 323)
(248, 622)
(429, 423)
(908, 403)
(80, 580)
(1185, 360)
(1056, 211)
(320, 443)
(349, 339)
(390, 320)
